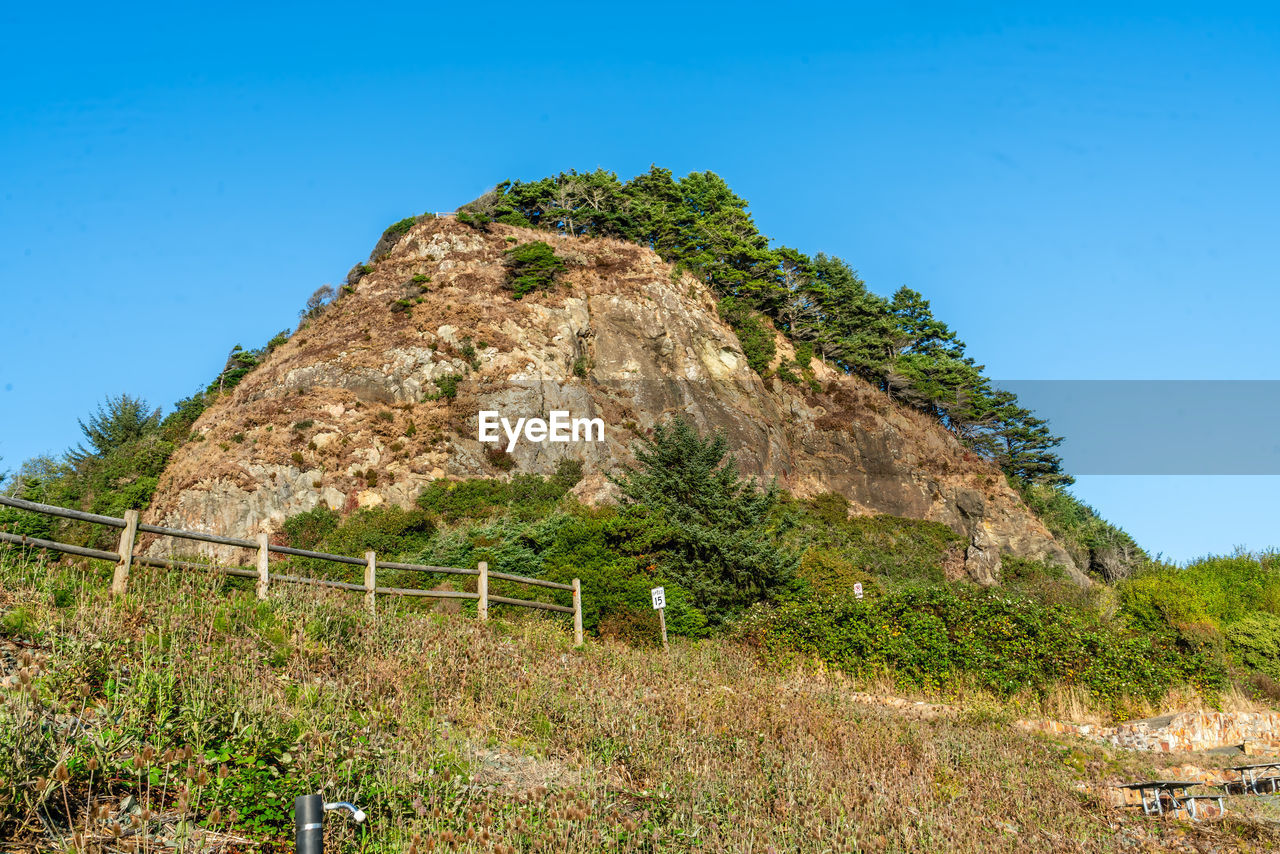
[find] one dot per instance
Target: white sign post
(660, 605)
(857, 589)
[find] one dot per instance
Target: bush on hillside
(710, 529)
(936, 636)
(524, 496)
(531, 267)
(753, 333)
(1097, 546)
(1255, 642)
(891, 547)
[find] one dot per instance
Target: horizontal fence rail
(130, 527)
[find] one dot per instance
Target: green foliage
(308, 530)
(386, 530)
(468, 352)
(1255, 641)
(1095, 544)
(710, 529)
(524, 496)
(398, 229)
(937, 636)
(568, 474)
(753, 334)
(699, 225)
(1215, 590)
(830, 573)
(893, 548)
(17, 623)
(475, 219)
(447, 386)
(278, 340)
(177, 425)
(118, 421)
(531, 267)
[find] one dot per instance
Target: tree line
(819, 302)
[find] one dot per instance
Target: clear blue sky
(1083, 194)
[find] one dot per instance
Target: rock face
(355, 410)
(1183, 732)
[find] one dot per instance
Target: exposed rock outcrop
(355, 410)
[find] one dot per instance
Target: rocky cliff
(380, 393)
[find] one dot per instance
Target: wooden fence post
(577, 612)
(120, 581)
(482, 590)
(370, 581)
(263, 565)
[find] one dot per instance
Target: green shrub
(709, 528)
(468, 352)
(753, 334)
(890, 547)
(307, 530)
(1103, 549)
(18, 623)
(804, 355)
(568, 474)
(398, 229)
(447, 387)
(1255, 641)
(525, 496)
(530, 267)
(829, 573)
(475, 219)
(935, 636)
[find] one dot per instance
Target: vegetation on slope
(205, 712)
(129, 444)
(779, 574)
(740, 557)
(699, 224)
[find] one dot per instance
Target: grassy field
(203, 712)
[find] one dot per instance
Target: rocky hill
(381, 391)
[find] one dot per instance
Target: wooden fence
(130, 527)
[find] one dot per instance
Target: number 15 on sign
(660, 605)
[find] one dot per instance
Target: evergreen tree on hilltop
(699, 224)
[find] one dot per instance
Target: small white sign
(659, 598)
(857, 589)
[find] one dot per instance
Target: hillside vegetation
(698, 224)
(745, 560)
(204, 712)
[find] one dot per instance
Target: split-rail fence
(130, 527)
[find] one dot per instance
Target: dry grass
(458, 736)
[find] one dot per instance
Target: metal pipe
(308, 824)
